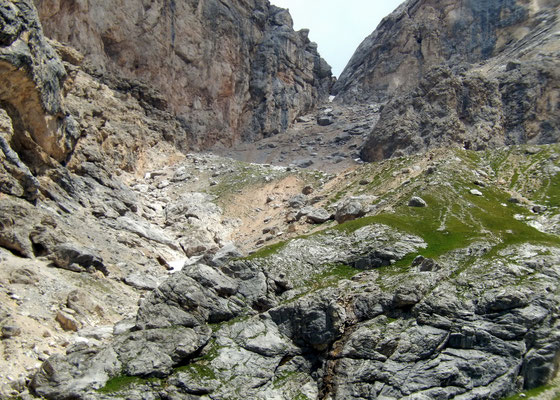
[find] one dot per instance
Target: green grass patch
(267, 251)
(470, 218)
(219, 325)
(120, 383)
(199, 370)
(552, 192)
(281, 379)
(331, 275)
(527, 394)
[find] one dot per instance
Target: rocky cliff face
(422, 34)
(470, 74)
(229, 70)
(478, 109)
(31, 93)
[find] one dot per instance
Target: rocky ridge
(229, 70)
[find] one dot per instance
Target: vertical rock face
(422, 34)
(230, 70)
(473, 74)
(32, 75)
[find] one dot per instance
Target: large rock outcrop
(421, 34)
(514, 104)
(32, 76)
(230, 70)
(471, 74)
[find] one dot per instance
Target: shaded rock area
(472, 110)
(228, 70)
(32, 77)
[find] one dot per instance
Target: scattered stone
(67, 321)
(291, 217)
(538, 209)
(307, 190)
(349, 210)
(425, 264)
(325, 120)
(10, 330)
(476, 192)
(298, 201)
(77, 258)
(304, 118)
(23, 276)
(314, 215)
(416, 201)
(303, 163)
(479, 183)
(431, 170)
(82, 303)
(514, 200)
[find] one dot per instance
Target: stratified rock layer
(229, 69)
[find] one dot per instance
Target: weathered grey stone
(212, 278)
(10, 330)
(314, 321)
(76, 258)
(182, 300)
(144, 230)
(349, 210)
(225, 254)
(314, 215)
(298, 201)
(475, 192)
(144, 353)
(24, 276)
(67, 321)
(303, 163)
(325, 120)
(416, 201)
(318, 215)
(141, 281)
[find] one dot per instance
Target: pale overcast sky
(338, 27)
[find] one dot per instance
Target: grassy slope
(454, 217)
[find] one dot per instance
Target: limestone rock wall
(471, 74)
(476, 110)
(230, 70)
(422, 34)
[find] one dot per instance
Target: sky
(338, 26)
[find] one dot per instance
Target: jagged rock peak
(421, 34)
(230, 70)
